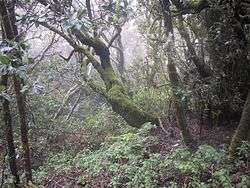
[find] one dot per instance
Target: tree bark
(242, 131)
(8, 21)
(116, 93)
(21, 105)
(9, 134)
(173, 75)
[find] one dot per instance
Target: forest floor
(202, 133)
(217, 136)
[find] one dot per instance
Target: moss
(109, 77)
(198, 5)
(124, 106)
(242, 131)
(117, 96)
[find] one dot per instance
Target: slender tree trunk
(178, 104)
(9, 135)
(21, 105)
(173, 75)
(242, 131)
(120, 58)
(8, 21)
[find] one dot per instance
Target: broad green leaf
(4, 59)
(2, 88)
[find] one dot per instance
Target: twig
(69, 94)
(162, 127)
(41, 56)
(119, 30)
(68, 58)
(74, 106)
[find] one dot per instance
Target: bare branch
(77, 47)
(119, 30)
(68, 96)
(68, 58)
(74, 107)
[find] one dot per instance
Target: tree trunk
(21, 105)
(10, 33)
(116, 93)
(9, 134)
(242, 131)
(178, 104)
(120, 58)
(203, 69)
(173, 76)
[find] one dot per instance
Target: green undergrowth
(127, 161)
(154, 101)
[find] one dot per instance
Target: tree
(115, 92)
(10, 33)
(9, 133)
(173, 75)
(203, 69)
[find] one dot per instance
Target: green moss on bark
(243, 131)
(124, 106)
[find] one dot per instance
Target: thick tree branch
(77, 47)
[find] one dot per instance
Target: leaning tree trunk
(243, 130)
(117, 96)
(116, 93)
(9, 134)
(10, 34)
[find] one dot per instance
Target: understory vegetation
(129, 160)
